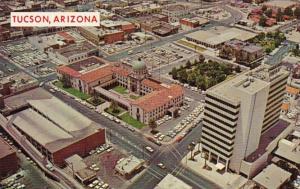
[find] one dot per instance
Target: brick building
(243, 52)
(99, 36)
(9, 162)
(58, 131)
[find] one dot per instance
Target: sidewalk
(224, 180)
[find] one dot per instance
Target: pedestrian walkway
(225, 180)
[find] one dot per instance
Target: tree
(65, 81)
(297, 12)
(114, 107)
(188, 65)
(174, 73)
(269, 12)
(152, 124)
(205, 156)
(182, 76)
(191, 148)
(201, 58)
(262, 21)
(288, 11)
(191, 79)
(268, 50)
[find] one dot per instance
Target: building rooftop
(61, 114)
(53, 124)
(100, 32)
(272, 177)
(157, 99)
(75, 49)
(247, 82)
(176, 7)
(283, 4)
(5, 149)
(39, 128)
(128, 165)
(290, 149)
(266, 139)
(76, 162)
(96, 74)
(155, 85)
(292, 90)
(171, 182)
(221, 34)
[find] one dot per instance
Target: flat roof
(220, 34)
(281, 3)
(272, 177)
(20, 100)
(266, 139)
(172, 182)
(247, 82)
(5, 149)
(61, 114)
(39, 128)
(128, 165)
(76, 48)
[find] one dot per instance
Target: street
(135, 143)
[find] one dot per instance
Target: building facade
(237, 113)
(9, 162)
(243, 52)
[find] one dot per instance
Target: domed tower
(139, 72)
(139, 69)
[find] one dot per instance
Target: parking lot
(7, 68)
(124, 45)
(29, 175)
(103, 160)
(159, 56)
(213, 13)
(171, 129)
(23, 54)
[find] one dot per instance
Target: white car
(149, 149)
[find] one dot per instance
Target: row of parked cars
(98, 184)
(105, 147)
(115, 119)
(14, 182)
(193, 119)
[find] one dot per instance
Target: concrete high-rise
(238, 111)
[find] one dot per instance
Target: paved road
(135, 143)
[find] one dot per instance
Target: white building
(237, 113)
(171, 182)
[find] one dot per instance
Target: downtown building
(241, 119)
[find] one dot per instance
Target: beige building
(238, 112)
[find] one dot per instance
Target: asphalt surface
(135, 143)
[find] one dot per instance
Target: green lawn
(134, 97)
(110, 111)
(131, 121)
(120, 89)
(72, 91)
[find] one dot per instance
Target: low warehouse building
(57, 130)
(8, 160)
(127, 167)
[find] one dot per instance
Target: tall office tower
(238, 111)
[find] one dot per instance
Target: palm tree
(205, 156)
(191, 148)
